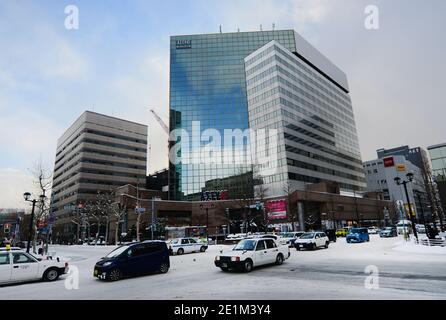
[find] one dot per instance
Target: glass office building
(313, 116)
(208, 85)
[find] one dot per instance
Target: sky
(117, 63)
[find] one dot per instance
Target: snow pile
(412, 247)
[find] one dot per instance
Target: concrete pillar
(301, 216)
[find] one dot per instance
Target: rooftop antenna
(261, 28)
(274, 26)
(238, 29)
(220, 29)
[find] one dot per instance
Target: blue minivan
(132, 260)
(358, 235)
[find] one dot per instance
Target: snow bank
(412, 247)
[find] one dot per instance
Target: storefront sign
(388, 162)
(400, 167)
(276, 209)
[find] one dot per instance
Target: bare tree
(42, 179)
(292, 212)
(429, 187)
(118, 211)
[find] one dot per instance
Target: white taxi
(250, 253)
(16, 266)
(185, 245)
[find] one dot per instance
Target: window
(4, 258)
(192, 241)
(18, 257)
(184, 241)
(270, 244)
(152, 248)
(260, 245)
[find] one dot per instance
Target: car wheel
(279, 259)
(164, 267)
(180, 251)
(247, 266)
(348, 240)
(326, 245)
(51, 275)
(313, 247)
(202, 249)
(115, 275)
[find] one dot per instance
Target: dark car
(388, 232)
(331, 234)
(132, 260)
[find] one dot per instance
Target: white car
(185, 245)
(373, 230)
(16, 266)
(312, 240)
(288, 238)
(250, 253)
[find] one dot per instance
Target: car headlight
(235, 259)
(217, 258)
(107, 264)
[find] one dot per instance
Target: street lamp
(399, 181)
(27, 197)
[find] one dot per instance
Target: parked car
(388, 232)
(133, 259)
(288, 238)
(331, 234)
(358, 235)
(420, 228)
(250, 253)
(186, 245)
(312, 240)
(16, 265)
(373, 230)
(404, 226)
(342, 232)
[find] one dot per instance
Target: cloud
(14, 184)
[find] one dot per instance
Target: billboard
(276, 209)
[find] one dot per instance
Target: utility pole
(398, 181)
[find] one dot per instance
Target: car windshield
(308, 235)
(288, 235)
(243, 245)
(355, 230)
(117, 252)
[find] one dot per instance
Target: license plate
(224, 265)
(95, 273)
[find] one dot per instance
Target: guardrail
(433, 242)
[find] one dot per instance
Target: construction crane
(160, 121)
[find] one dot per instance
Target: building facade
(317, 207)
(97, 153)
(208, 89)
(305, 98)
(380, 175)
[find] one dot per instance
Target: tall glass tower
(208, 84)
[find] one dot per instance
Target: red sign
(388, 162)
(276, 209)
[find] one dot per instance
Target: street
(334, 273)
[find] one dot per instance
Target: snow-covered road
(334, 273)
